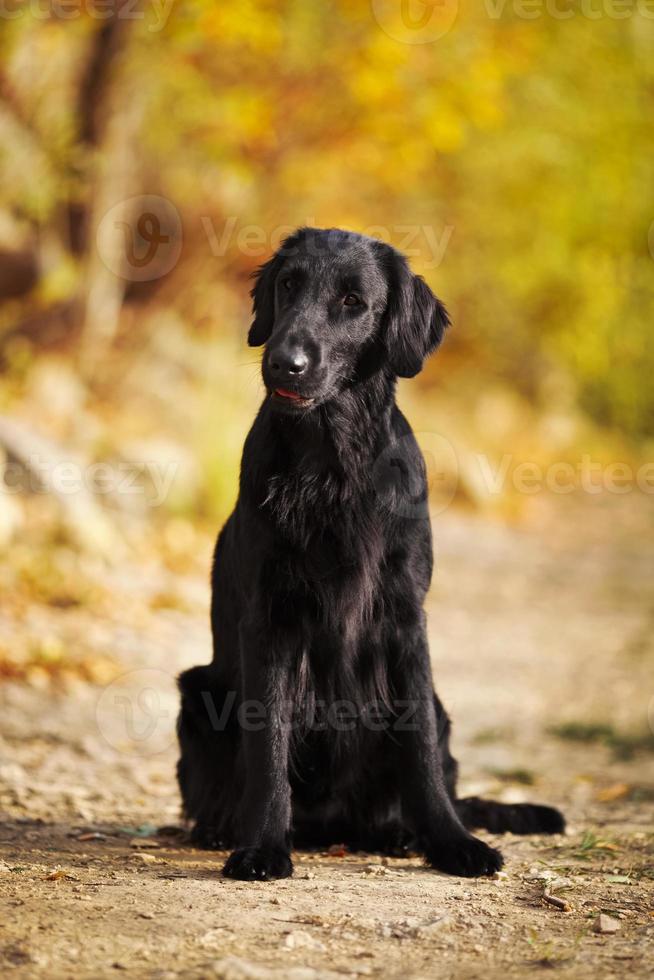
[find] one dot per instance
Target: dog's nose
(288, 364)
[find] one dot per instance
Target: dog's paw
(466, 857)
(258, 864)
(545, 820)
(206, 837)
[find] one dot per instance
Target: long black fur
(317, 721)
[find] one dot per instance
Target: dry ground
(532, 628)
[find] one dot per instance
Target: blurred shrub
(509, 157)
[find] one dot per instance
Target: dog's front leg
(447, 845)
(264, 819)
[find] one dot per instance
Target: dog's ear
(416, 320)
(263, 291)
(263, 301)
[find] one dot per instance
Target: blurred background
(152, 155)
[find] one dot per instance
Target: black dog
(317, 721)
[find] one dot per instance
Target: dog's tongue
(283, 393)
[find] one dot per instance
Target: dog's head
(333, 307)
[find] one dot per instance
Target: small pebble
(605, 925)
(376, 869)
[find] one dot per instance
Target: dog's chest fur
(330, 544)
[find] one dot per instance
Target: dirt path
(529, 631)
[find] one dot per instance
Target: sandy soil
(531, 628)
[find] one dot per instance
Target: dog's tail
(516, 818)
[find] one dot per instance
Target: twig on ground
(558, 903)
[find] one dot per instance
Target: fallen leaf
(59, 874)
(618, 791)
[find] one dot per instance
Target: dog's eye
(351, 300)
(287, 284)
